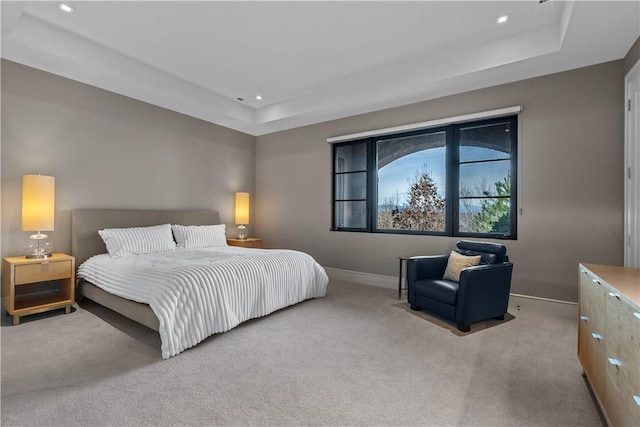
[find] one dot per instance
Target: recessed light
(65, 8)
(503, 19)
(259, 97)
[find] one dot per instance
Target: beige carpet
(357, 357)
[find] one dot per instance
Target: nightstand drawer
(42, 272)
(253, 244)
(249, 242)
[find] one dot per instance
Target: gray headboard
(85, 223)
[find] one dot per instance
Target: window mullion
(514, 179)
(372, 198)
(453, 181)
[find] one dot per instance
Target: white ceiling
(311, 61)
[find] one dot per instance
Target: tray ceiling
(310, 61)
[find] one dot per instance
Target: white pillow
(199, 236)
(121, 242)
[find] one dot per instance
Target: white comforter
(199, 292)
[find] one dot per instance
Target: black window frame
(367, 184)
(452, 170)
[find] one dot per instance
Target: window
(350, 196)
(453, 180)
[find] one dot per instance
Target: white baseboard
(552, 307)
(517, 302)
(364, 278)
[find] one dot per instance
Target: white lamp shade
(242, 208)
(38, 202)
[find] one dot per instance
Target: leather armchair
(482, 292)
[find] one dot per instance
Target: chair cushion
(440, 290)
(456, 263)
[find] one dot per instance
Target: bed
(189, 293)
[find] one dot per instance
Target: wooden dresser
(609, 339)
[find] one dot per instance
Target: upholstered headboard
(85, 223)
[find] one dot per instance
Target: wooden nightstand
(249, 242)
(35, 285)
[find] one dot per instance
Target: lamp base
(38, 256)
(38, 246)
(242, 232)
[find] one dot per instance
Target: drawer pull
(615, 362)
(597, 336)
(637, 399)
(585, 318)
(614, 295)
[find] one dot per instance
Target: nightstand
(35, 285)
(249, 242)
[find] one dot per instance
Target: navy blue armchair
(482, 292)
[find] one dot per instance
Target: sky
(396, 175)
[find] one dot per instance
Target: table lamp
(242, 214)
(38, 209)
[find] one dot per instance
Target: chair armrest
(426, 267)
(483, 290)
(490, 275)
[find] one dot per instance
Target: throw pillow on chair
(456, 263)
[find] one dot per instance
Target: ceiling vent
(544, 5)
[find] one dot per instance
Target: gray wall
(106, 150)
(632, 56)
(571, 181)
(109, 151)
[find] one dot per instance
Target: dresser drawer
(619, 401)
(42, 272)
(623, 338)
(592, 296)
(591, 352)
(621, 315)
